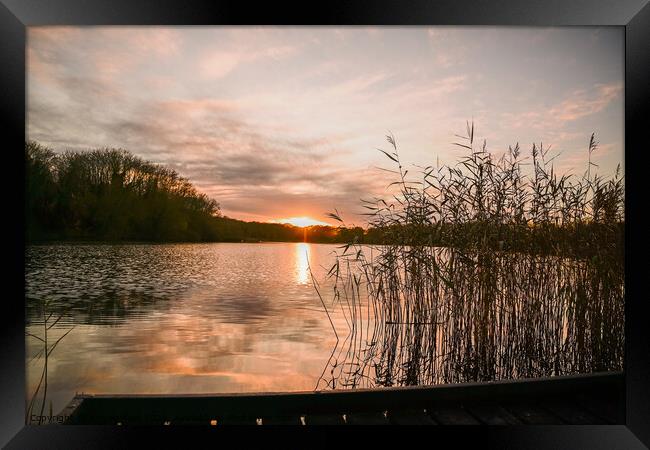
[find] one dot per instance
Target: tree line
(113, 195)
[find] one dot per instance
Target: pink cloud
(578, 104)
(218, 64)
(357, 84)
(584, 103)
(53, 35)
(157, 41)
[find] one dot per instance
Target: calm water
(215, 318)
(181, 318)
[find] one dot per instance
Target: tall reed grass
(489, 269)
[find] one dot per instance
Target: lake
(178, 318)
(226, 318)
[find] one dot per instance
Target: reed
(51, 335)
(488, 269)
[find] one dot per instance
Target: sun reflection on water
(302, 263)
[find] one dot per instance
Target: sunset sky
(280, 122)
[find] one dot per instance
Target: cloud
(254, 171)
(584, 103)
(356, 85)
(164, 42)
(106, 52)
(219, 63)
(445, 86)
(578, 104)
(280, 122)
(447, 49)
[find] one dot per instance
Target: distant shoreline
(106, 242)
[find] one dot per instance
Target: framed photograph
(389, 215)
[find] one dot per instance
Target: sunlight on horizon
(303, 221)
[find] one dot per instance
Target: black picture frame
(633, 15)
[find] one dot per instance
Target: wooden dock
(580, 399)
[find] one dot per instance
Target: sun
(303, 221)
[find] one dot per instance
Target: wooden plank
(367, 418)
(492, 414)
(194, 408)
(324, 419)
(71, 407)
(410, 417)
(570, 412)
(532, 414)
(452, 415)
(604, 408)
(174, 421)
(336, 401)
(281, 420)
(227, 421)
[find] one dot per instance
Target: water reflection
(486, 321)
(179, 318)
(302, 263)
(210, 318)
(50, 336)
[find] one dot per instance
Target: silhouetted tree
(113, 195)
